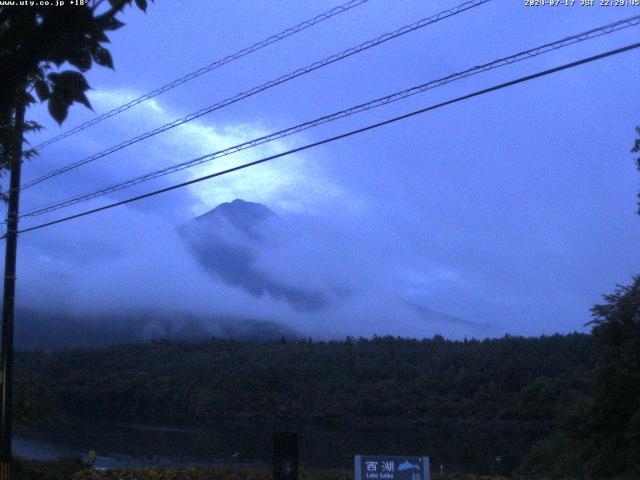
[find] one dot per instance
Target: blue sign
(387, 467)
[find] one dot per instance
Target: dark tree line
(468, 399)
(560, 406)
(600, 436)
(508, 379)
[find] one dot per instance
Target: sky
(510, 213)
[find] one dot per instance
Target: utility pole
(6, 416)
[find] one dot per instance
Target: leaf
(102, 56)
(82, 98)
(42, 89)
(110, 23)
(142, 5)
(100, 36)
(58, 109)
(28, 99)
(68, 87)
(80, 58)
(32, 126)
(69, 80)
(56, 56)
(30, 153)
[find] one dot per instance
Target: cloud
(295, 183)
(335, 263)
(316, 273)
(227, 242)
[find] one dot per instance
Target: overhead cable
(265, 86)
(534, 52)
(208, 68)
(341, 136)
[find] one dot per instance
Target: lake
(136, 445)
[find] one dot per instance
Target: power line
(593, 33)
(265, 86)
(212, 66)
(343, 135)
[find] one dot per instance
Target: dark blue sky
(513, 212)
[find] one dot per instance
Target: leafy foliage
(60, 469)
(36, 40)
(636, 149)
(615, 415)
(600, 437)
(217, 473)
(224, 473)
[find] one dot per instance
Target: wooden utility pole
(9, 295)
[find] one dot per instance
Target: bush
(208, 473)
(60, 469)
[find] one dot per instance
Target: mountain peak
(245, 216)
(239, 211)
(228, 242)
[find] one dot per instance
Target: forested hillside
(508, 379)
(462, 401)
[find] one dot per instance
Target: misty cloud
(227, 242)
(458, 222)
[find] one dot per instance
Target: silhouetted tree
(615, 415)
(599, 437)
(636, 149)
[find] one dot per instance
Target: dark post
(9, 297)
(498, 465)
(285, 456)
